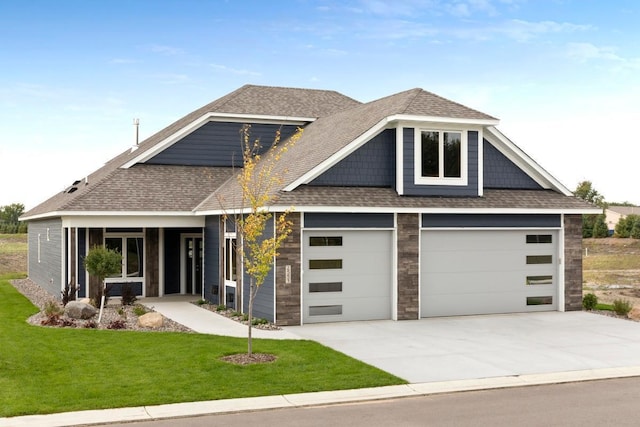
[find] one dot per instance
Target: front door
(192, 255)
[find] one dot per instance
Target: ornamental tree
(259, 179)
(101, 263)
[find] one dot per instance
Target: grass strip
(48, 370)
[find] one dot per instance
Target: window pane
(539, 238)
(539, 259)
(325, 310)
(539, 300)
(325, 287)
(430, 158)
(325, 241)
(134, 257)
(452, 155)
(114, 244)
(325, 264)
(539, 280)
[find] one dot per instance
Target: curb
(176, 410)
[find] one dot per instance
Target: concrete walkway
(440, 355)
(205, 321)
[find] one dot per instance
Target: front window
(440, 157)
(132, 249)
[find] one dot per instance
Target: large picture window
(132, 250)
(440, 157)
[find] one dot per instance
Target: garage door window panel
(543, 300)
(325, 241)
(539, 259)
(325, 264)
(539, 238)
(539, 280)
(325, 287)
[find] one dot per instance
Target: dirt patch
(607, 280)
(13, 253)
(246, 359)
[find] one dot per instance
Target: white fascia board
(361, 209)
(214, 117)
(138, 221)
(522, 160)
(422, 120)
(339, 155)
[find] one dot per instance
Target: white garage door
(346, 275)
(482, 272)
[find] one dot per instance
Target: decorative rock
(85, 300)
(150, 320)
(79, 310)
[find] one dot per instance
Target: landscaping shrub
(139, 310)
(117, 324)
(259, 321)
(622, 307)
(52, 308)
(221, 307)
(128, 296)
(589, 301)
(69, 294)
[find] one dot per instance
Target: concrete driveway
(473, 347)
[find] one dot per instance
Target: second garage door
(347, 275)
(488, 271)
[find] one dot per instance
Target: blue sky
(562, 76)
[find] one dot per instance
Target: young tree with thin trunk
(259, 179)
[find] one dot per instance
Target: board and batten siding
(218, 144)
(212, 259)
(45, 240)
(413, 189)
(264, 301)
(372, 165)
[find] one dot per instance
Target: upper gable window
(441, 157)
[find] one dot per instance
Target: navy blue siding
(372, 165)
(218, 144)
(411, 189)
(490, 220)
(348, 220)
(264, 302)
(500, 172)
(47, 270)
(115, 289)
(212, 256)
(81, 235)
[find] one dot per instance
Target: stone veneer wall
(573, 262)
(288, 294)
(408, 263)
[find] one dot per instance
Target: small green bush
(201, 302)
(221, 307)
(589, 301)
(139, 310)
(259, 321)
(52, 308)
(622, 307)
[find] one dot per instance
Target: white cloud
(166, 50)
(237, 71)
(520, 30)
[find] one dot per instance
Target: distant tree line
(9, 222)
(594, 225)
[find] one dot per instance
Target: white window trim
(464, 166)
(123, 278)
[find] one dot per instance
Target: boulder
(79, 310)
(150, 320)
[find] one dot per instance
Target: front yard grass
(48, 370)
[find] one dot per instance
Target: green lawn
(47, 370)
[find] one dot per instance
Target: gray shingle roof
(249, 99)
(358, 197)
(327, 135)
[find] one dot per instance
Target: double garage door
(488, 271)
(347, 275)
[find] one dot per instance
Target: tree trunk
(250, 318)
(104, 291)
